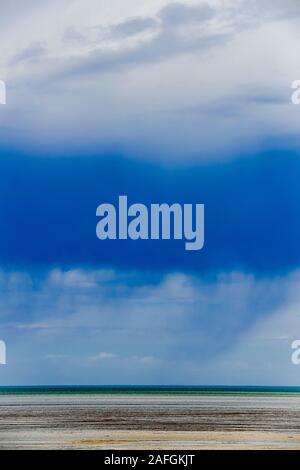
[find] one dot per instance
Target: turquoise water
(151, 390)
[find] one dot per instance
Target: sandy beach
(149, 422)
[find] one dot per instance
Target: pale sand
(139, 440)
(149, 422)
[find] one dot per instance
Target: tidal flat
(149, 421)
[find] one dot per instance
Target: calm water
(151, 390)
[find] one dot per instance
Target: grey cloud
(168, 40)
(235, 105)
(162, 47)
(179, 33)
(14, 9)
(181, 14)
(263, 98)
(275, 8)
(166, 43)
(257, 12)
(73, 36)
(133, 26)
(33, 52)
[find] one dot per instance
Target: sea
(148, 389)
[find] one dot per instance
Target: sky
(162, 101)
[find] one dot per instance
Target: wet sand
(149, 422)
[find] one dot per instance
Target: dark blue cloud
(48, 206)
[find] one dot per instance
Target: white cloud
(102, 356)
(79, 279)
(139, 328)
(131, 361)
(155, 79)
